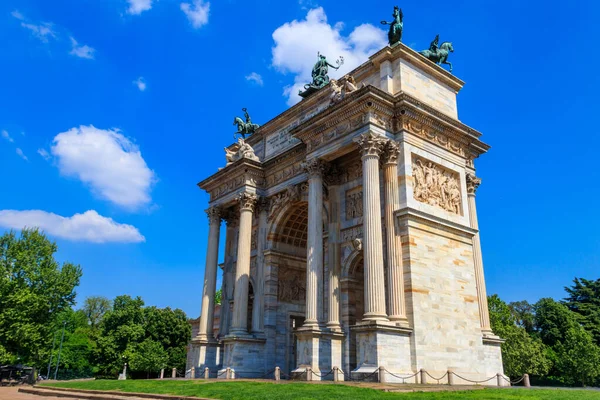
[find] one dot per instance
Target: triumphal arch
(351, 233)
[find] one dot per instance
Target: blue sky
(111, 111)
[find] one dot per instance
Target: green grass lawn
(243, 390)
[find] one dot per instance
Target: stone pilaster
(259, 290)
(247, 202)
(371, 146)
(205, 332)
(395, 277)
(314, 251)
(472, 184)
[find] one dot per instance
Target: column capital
(370, 144)
(247, 201)
(214, 214)
(231, 218)
(314, 167)
(473, 183)
(391, 151)
(263, 204)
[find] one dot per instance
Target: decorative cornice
(391, 152)
(473, 183)
(247, 201)
(243, 172)
(370, 144)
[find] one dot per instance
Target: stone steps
(100, 394)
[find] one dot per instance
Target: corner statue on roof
(438, 55)
(319, 75)
(395, 33)
(245, 128)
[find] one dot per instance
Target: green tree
(34, 289)
(521, 353)
(148, 356)
(218, 296)
(553, 320)
(94, 309)
(171, 329)
(523, 312)
(121, 328)
(578, 357)
(584, 299)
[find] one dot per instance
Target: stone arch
(352, 262)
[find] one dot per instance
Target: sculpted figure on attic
(244, 150)
(435, 186)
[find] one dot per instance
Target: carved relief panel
(354, 204)
(291, 286)
(436, 185)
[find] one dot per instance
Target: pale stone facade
(351, 235)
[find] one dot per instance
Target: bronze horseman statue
(438, 55)
(244, 128)
(395, 33)
(319, 75)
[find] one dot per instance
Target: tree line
(557, 342)
(37, 302)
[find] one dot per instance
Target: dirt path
(11, 393)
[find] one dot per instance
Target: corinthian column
(371, 146)
(205, 331)
(261, 233)
(242, 270)
(395, 276)
(472, 184)
(314, 248)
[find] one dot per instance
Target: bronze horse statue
(439, 56)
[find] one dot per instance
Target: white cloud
(84, 51)
(136, 7)
(297, 44)
(21, 154)
(106, 161)
(43, 31)
(197, 12)
(256, 78)
(17, 15)
(6, 136)
(87, 227)
(140, 83)
(45, 155)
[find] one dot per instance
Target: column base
(206, 354)
(309, 347)
(381, 345)
(336, 340)
(244, 355)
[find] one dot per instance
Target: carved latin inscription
(436, 186)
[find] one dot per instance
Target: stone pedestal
(309, 347)
(244, 355)
(336, 344)
(382, 345)
(206, 354)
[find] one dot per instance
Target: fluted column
(205, 331)
(472, 184)
(259, 290)
(371, 146)
(231, 219)
(242, 271)
(333, 321)
(314, 248)
(395, 277)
